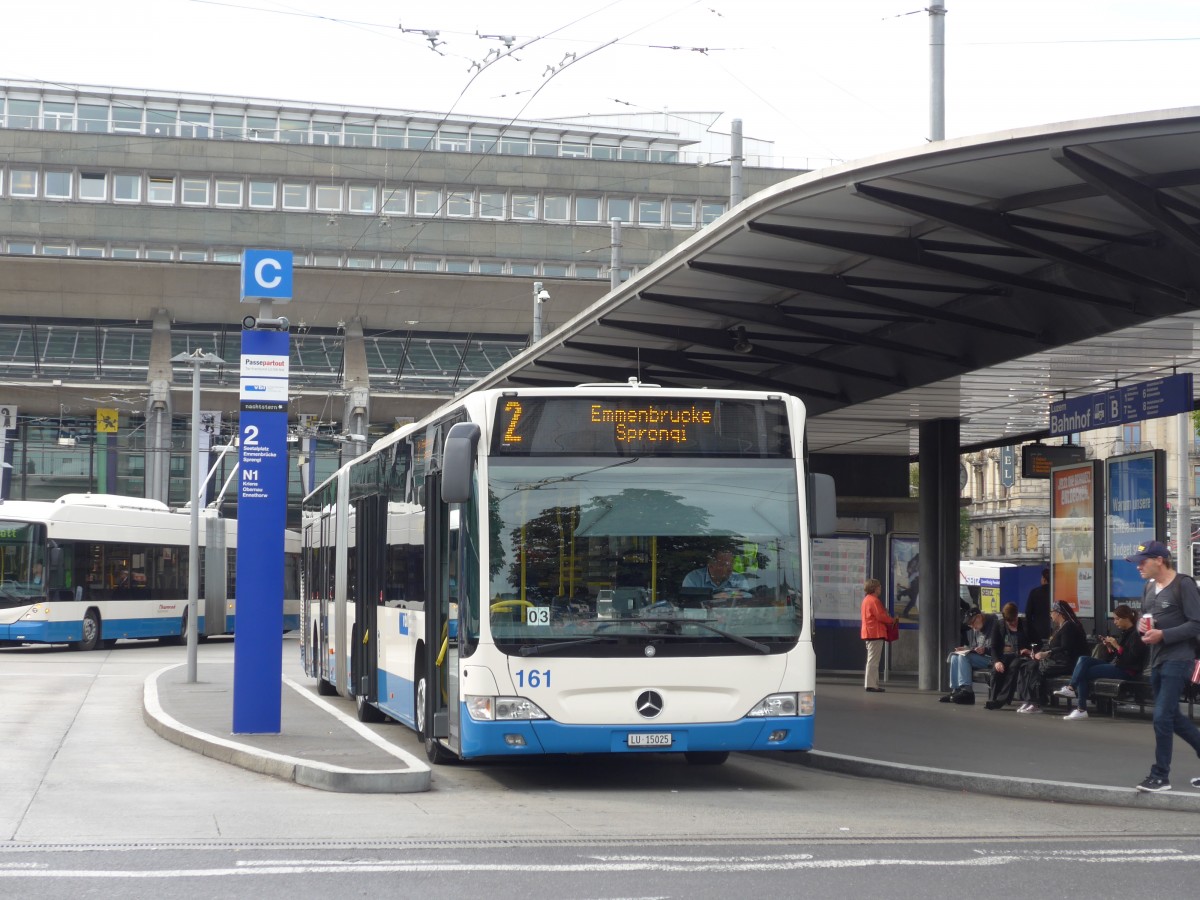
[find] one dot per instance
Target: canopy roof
(977, 279)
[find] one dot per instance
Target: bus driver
(718, 576)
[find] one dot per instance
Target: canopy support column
(938, 510)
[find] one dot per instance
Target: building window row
(392, 262)
(355, 198)
(97, 115)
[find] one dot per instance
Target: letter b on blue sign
(267, 275)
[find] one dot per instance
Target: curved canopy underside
(976, 279)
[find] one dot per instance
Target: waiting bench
(1108, 692)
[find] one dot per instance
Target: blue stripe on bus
(396, 698)
(42, 632)
(488, 738)
(68, 632)
(58, 632)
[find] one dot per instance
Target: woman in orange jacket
(875, 620)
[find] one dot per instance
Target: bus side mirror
(54, 556)
(822, 506)
(458, 462)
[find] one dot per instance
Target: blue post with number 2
(262, 518)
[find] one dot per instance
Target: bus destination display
(637, 426)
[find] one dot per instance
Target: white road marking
(654, 864)
(417, 765)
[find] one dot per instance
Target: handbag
(893, 631)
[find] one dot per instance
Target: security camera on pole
(8, 420)
(540, 296)
(262, 495)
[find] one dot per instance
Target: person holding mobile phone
(1172, 602)
(1124, 657)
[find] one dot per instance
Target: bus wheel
(706, 757)
(91, 631)
(176, 640)
(367, 712)
(434, 751)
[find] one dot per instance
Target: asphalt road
(93, 802)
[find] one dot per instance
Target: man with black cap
(1170, 624)
(974, 653)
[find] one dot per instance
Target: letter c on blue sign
(259, 273)
(266, 275)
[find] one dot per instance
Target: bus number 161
(533, 678)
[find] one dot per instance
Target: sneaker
(947, 698)
(1030, 710)
(1196, 783)
(1076, 714)
(1068, 692)
(1152, 785)
(1024, 707)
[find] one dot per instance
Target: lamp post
(194, 359)
(540, 296)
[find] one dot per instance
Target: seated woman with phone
(1123, 657)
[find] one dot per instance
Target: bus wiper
(740, 638)
(539, 649)
(705, 623)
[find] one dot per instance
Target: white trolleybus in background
(90, 569)
(601, 569)
(979, 584)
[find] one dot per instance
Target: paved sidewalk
(901, 735)
(907, 735)
(318, 746)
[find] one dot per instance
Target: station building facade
(417, 239)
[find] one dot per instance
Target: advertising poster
(904, 577)
(1073, 496)
(1135, 508)
(841, 565)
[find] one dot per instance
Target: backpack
(1196, 640)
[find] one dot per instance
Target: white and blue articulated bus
(91, 569)
(602, 569)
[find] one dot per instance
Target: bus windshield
(602, 556)
(22, 562)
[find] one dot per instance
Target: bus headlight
(780, 705)
(503, 709)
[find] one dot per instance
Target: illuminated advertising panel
(1137, 500)
(1075, 502)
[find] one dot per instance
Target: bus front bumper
(543, 736)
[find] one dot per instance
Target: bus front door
(434, 718)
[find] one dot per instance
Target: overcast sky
(824, 79)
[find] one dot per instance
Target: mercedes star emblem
(649, 704)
